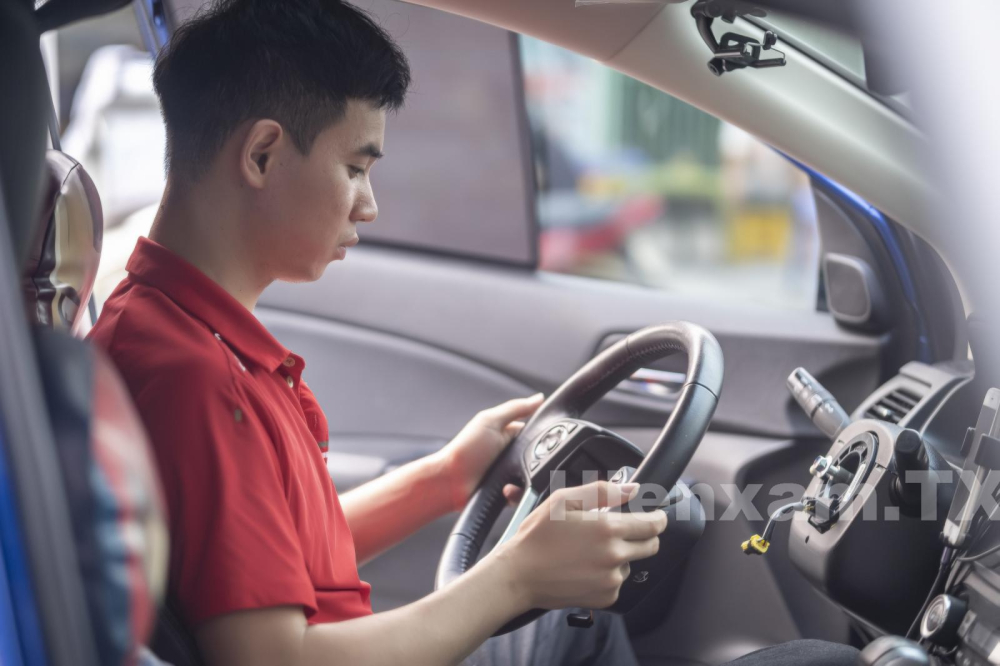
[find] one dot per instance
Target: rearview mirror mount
(734, 51)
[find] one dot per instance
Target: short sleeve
(234, 543)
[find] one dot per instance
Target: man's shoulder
(151, 339)
(185, 382)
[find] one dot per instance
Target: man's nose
(365, 209)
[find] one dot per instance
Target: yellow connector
(757, 545)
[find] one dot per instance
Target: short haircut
(297, 62)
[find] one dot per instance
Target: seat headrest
(65, 247)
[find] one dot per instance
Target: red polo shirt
(254, 517)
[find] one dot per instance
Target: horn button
(553, 438)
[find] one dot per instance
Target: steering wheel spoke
(529, 500)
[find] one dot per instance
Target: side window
(455, 178)
(636, 186)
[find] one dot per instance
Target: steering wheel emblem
(640, 577)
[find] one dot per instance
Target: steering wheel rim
(683, 431)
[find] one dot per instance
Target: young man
(275, 113)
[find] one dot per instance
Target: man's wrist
(506, 579)
(449, 474)
(441, 466)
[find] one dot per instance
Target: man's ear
(258, 150)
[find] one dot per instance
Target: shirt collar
(157, 267)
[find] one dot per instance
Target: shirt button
(289, 362)
(291, 382)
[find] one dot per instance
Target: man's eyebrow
(371, 150)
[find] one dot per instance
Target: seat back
(113, 495)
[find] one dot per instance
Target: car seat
(112, 494)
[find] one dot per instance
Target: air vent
(894, 406)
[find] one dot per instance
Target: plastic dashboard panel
(931, 382)
(938, 415)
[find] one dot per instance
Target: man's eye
(355, 171)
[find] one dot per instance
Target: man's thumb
(518, 408)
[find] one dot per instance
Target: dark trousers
(548, 641)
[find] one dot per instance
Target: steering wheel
(555, 434)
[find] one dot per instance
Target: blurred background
(626, 183)
(638, 186)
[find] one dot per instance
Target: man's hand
(565, 554)
(480, 442)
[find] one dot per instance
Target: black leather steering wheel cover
(665, 462)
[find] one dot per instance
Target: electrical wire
(943, 571)
(978, 556)
(963, 563)
(759, 543)
(803, 505)
(986, 524)
(964, 560)
(956, 576)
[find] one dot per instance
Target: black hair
(297, 62)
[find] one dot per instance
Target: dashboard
(898, 523)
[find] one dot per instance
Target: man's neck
(206, 233)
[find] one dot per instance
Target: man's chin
(306, 274)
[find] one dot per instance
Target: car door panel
(355, 459)
(372, 382)
(537, 328)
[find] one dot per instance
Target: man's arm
(556, 560)
(442, 628)
(386, 510)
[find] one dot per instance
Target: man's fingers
(513, 494)
(513, 428)
(595, 495)
(640, 550)
(518, 408)
(639, 526)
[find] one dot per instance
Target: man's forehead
(364, 119)
(362, 128)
